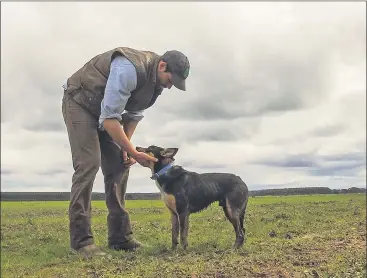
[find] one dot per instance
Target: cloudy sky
(276, 93)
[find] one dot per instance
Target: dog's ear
(169, 152)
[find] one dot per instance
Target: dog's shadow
(214, 248)
(200, 249)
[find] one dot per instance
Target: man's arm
(129, 127)
(112, 126)
(122, 80)
(130, 121)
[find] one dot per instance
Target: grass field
(326, 238)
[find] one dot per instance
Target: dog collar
(161, 172)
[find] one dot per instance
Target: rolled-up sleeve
(135, 115)
(121, 82)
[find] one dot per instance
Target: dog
(185, 192)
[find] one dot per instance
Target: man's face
(164, 77)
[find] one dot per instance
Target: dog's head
(165, 156)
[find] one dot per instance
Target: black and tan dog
(186, 192)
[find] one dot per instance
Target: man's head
(173, 69)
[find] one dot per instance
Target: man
(112, 89)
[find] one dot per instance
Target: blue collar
(162, 171)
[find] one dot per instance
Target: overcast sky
(276, 92)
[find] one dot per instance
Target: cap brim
(179, 82)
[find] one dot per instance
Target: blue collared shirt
(120, 83)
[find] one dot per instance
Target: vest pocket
(88, 100)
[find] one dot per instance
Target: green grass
(328, 239)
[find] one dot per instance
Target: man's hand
(143, 159)
(128, 161)
(118, 135)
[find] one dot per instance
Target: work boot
(91, 251)
(130, 245)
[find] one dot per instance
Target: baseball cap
(179, 66)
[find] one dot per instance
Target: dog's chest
(168, 199)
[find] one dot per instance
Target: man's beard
(158, 84)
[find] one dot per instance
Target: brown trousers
(90, 149)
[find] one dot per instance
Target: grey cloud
(51, 172)
(319, 131)
(210, 131)
(338, 170)
(256, 76)
(210, 134)
(191, 164)
(270, 80)
(340, 165)
(328, 130)
(37, 126)
(321, 165)
(359, 157)
(7, 171)
(293, 161)
(222, 97)
(214, 136)
(204, 110)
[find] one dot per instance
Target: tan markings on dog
(151, 164)
(168, 199)
(229, 210)
(170, 202)
(166, 160)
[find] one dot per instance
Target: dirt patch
(147, 210)
(349, 242)
(312, 263)
(288, 235)
(283, 216)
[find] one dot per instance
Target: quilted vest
(87, 85)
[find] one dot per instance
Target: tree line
(305, 191)
(65, 196)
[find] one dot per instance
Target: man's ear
(162, 66)
(169, 152)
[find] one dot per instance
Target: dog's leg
(237, 225)
(170, 202)
(242, 216)
(226, 213)
(175, 229)
(239, 233)
(234, 218)
(184, 228)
